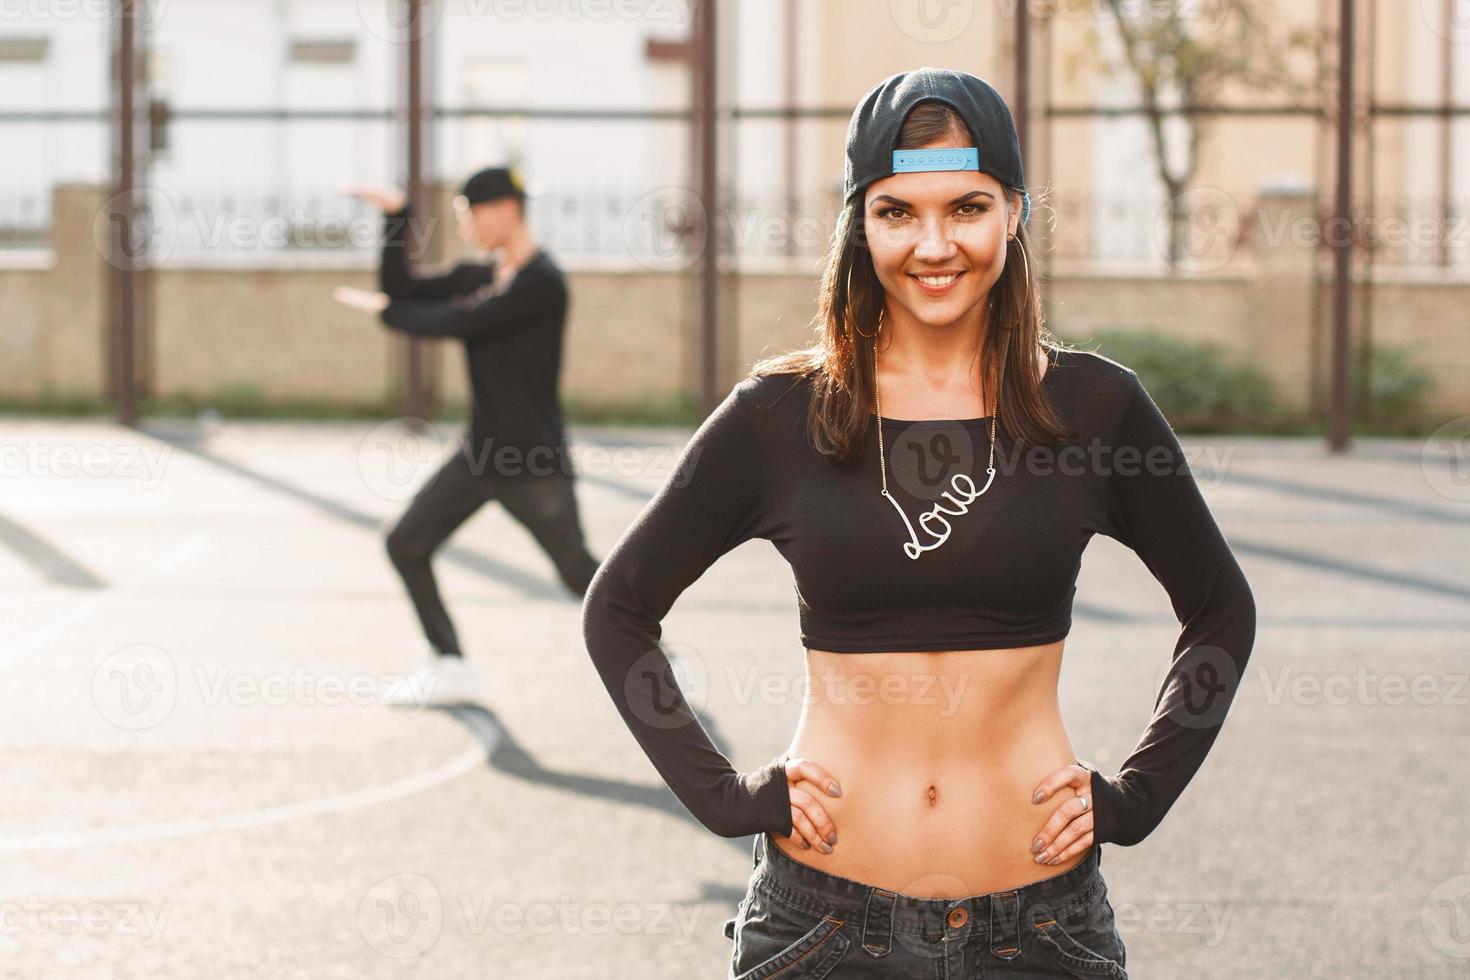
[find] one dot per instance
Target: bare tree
(1186, 56)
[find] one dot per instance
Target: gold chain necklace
(912, 547)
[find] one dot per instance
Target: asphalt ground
(199, 782)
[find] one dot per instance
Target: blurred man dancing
(509, 311)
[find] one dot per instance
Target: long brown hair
(839, 359)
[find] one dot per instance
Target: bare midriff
(937, 755)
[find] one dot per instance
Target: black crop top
(994, 570)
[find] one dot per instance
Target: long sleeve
(394, 277)
(709, 504)
(480, 313)
(1155, 508)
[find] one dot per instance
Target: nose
(935, 243)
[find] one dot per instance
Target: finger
(1060, 817)
(1074, 823)
(799, 768)
(825, 829)
(801, 827)
(816, 826)
(1075, 848)
(1068, 775)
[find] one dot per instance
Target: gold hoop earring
(875, 333)
(1026, 265)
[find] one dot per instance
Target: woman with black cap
(932, 467)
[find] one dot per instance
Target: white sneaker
(442, 680)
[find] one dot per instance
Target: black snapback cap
(873, 131)
(493, 183)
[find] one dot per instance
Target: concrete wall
(633, 335)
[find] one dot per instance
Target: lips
(945, 283)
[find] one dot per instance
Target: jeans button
(958, 916)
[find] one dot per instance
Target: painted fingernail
(1038, 796)
(832, 837)
(1041, 859)
(1037, 845)
(826, 848)
(1055, 859)
(805, 844)
(834, 789)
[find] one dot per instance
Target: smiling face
(938, 239)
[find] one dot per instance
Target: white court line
(474, 756)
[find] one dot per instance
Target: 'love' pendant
(912, 547)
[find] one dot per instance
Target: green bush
(1392, 400)
(1195, 383)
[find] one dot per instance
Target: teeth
(937, 280)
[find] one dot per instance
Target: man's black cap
(872, 133)
(493, 183)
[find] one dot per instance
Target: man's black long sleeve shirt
(512, 338)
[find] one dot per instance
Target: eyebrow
(890, 199)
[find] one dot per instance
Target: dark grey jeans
(797, 922)
(544, 505)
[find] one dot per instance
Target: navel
(933, 795)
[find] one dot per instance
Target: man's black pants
(544, 505)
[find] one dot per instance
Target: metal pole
(128, 253)
(1342, 243)
(791, 131)
(1022, 109)
(705, 76)
(416, 402)
(1446, 133)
